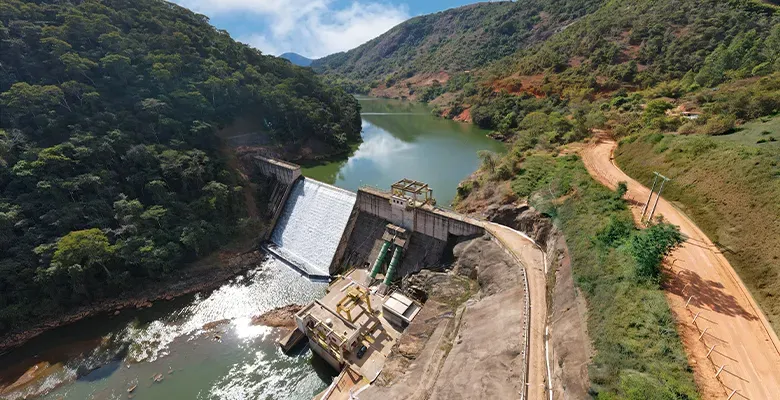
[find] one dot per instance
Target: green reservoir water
(104, 356)
(404, 140)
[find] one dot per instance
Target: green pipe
(380, 259)
(393, 263)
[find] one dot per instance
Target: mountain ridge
(297, 59)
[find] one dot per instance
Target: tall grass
(731, 191)
(638, 352)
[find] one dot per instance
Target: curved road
(745, 346)
(533, 260)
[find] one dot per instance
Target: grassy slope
(756, 133)
(638, 351)
(731, 191)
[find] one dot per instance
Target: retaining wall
(282, 171)
(285, 174)
(428, 220)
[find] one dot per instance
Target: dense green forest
(110, 172)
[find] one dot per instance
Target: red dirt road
(728, 317)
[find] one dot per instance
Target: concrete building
(352, 315)
(330, 335)
(400, 310)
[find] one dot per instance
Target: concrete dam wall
(311, 225)
(282, 171)
(427, 220)
(320, 229)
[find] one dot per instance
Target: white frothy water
(311, 225)
(233, 360)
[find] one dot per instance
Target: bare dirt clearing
(745, 346)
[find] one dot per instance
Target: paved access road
(532, 258)
(728, 316)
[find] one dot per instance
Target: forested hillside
(110, 172)
(691, 88)
(453, 40)
(559, 51)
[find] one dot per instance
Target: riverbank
(206, 274)
(280, 317)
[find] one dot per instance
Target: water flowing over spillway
(311, 225)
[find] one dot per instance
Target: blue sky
(313, 28)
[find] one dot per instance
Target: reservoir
(175, 350)
(402, 139)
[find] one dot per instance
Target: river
(104, 356)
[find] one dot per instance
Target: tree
(489, 160)
(107, 143)
(25, 100)
(650, 246)
(88, 248)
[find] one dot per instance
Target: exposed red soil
(576, 61)
(464, 116)
(518, 84)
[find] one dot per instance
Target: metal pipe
(380, 258)
(393, 264)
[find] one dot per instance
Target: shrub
(650, 246)
(718, 125)
(617, 231)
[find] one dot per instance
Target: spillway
(311, 225)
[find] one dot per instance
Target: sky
(312, 28)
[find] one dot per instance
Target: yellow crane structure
(356, 295)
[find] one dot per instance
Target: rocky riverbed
(280, 317)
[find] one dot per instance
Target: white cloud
(314, 28)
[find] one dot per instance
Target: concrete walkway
(533, 259)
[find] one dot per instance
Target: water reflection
(403, 140)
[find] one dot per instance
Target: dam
(321, 230)
(311, 223)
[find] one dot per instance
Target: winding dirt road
(731, 345)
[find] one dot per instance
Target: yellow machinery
(356, 296)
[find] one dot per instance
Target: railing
(526, 320)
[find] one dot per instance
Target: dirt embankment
(207, 274)
(280, 317)
(468, 341)
(569, 345)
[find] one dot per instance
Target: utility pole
(644, 209)
(658, 196)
